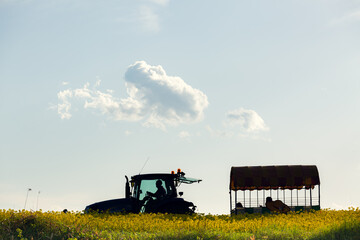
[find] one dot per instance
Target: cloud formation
(148, 16)
(149, 19)
(64, 105)
(160, 2)
(244, 123)
(219, 133)
(154, 98)
(184, 134)
(348, 18)
(246, 119)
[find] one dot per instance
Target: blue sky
(90, 90)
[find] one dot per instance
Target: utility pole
(27, 195)
(37, 201)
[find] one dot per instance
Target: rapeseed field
(323, 224)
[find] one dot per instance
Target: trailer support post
(319, 195)
(250, 198)
(264, 196)
(284, 195)
(244, 198)
(297, 197)
(230, 202)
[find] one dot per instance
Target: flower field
(324, 224)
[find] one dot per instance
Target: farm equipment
(150, 193)
(270, 182)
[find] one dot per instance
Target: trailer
(298, 186)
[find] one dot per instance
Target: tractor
(150, 193)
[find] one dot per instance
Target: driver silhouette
(160, 193)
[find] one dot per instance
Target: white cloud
(184, 134)
(154, 98)
(149, 19)
(148, 16)
(218, 133)
(246, 119)
(65, 105)
(348, 18)
(243, 123)
(160, 2)
(165, 99)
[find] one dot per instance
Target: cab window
(149, 186)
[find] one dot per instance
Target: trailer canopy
(274, 177)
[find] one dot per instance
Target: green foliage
(324, 224)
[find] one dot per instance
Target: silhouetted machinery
(298, 186)
(150, 193)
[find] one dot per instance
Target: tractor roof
(171, 176)
(153, 176)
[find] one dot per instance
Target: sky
(91, 91)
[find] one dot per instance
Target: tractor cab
(158, 192)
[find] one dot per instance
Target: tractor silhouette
(150, 193)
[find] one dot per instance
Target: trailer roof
(274, 177)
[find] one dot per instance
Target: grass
(323, 224)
